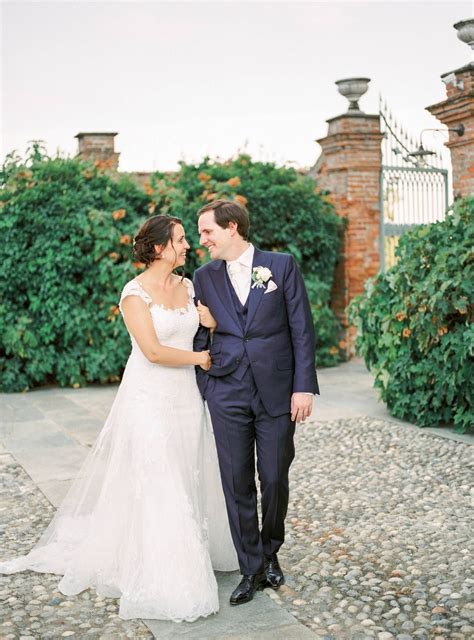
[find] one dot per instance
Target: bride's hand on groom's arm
(203, 360)
(140, 325)
(205, 316)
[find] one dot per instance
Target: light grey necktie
(235, 270)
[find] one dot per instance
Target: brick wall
(349, 167)
(458, 108)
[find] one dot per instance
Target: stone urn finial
(465, 30)
(353, 89)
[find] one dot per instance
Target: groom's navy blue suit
(262, 352)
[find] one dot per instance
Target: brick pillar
(349, 167)
(456, 110)
(99, 147)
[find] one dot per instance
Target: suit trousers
(241, 427)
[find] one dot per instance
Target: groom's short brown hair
(226, 211)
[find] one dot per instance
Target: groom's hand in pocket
(301, 406)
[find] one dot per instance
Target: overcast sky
(187, 79)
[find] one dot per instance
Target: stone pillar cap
(355, 114)
(96, 133)
(467, 67)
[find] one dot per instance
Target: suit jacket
(278, 337)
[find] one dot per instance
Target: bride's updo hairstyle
(157, 230)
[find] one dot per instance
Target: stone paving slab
(29, 435)
(262, 618)
(44, 464)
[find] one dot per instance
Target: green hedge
(66, 230)
(415, 324)
(287, 214)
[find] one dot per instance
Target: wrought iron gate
(413, 186)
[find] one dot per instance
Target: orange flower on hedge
(203, 177)
(233, 182)
(114, 255)
(211, 196)
(138, 265)
(200, 253)
(113, 311)
(406, 333)
(442, 331)
(400, 316)
(151, 207)
(118, 214)
(125, 239)
(333, 351)
(87, 174)
(104, 165)
(241, 199)
(148, 189)
(342, 344)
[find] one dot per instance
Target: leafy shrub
(66, 233)
(415, 324)
(66, 230)
(287, 214)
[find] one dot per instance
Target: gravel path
(379, 542)
(380, 533)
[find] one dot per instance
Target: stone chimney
(99, 147)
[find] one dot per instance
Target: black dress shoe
(247, 587)
(273, 572)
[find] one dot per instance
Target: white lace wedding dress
(145, 520)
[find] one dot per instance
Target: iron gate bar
(394, 167)
(410, 193)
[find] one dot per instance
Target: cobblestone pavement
(379, 542)
(30, 604)
(379, 533)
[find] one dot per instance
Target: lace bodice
(174, 327)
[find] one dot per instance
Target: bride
(145, 519)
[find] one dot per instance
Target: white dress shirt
(240, 273)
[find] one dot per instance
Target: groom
(261, 382)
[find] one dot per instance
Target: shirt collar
(246, 258)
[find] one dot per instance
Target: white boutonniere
(260, 277)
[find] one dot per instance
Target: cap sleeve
(190, 287)
(134, 288)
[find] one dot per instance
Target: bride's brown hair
(157, 230)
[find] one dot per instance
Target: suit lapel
(221, 285)
(256, 294)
